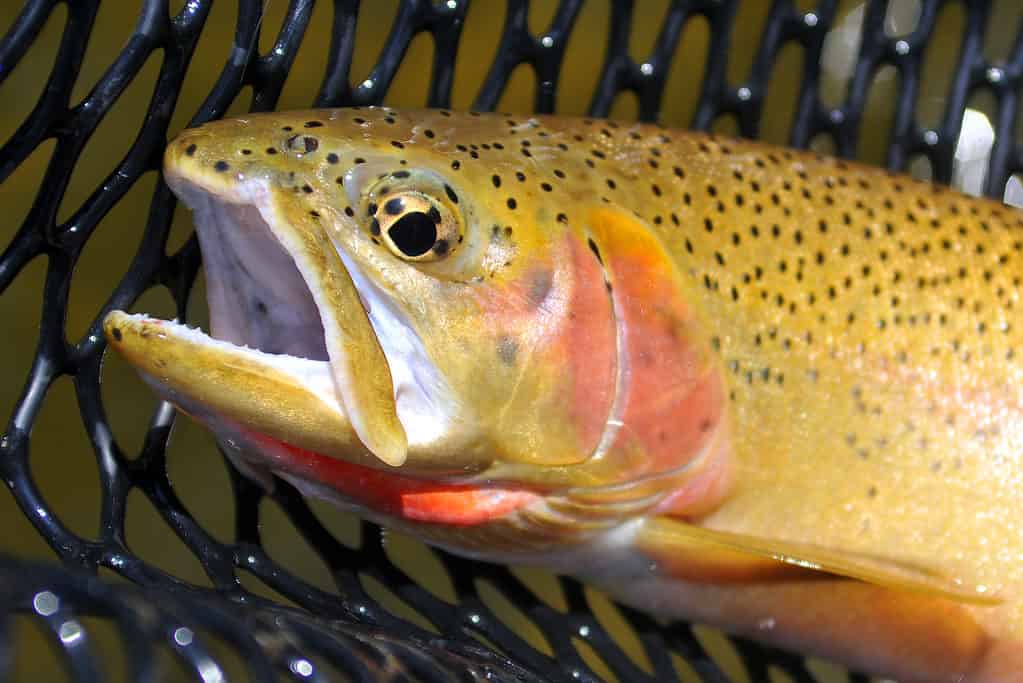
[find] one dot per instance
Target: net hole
(148, 537)
(579, 77)
(939, 65)
(504, 609)
(390, 601)
(682, 88)
(421, 564)
(619, 629)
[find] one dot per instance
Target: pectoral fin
(693, 553)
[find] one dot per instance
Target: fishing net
(109, 613)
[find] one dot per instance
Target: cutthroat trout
(759, 388)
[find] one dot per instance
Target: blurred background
(62, 459)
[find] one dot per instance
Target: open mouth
(257, 297)
(282, 305)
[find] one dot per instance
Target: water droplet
(70, 632)
(303, 667)
(183, 636)
(45, 603)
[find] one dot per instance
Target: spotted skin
(853, 331)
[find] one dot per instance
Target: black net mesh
(218, 624)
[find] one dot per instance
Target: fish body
(710, 375)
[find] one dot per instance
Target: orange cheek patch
(561, 309)
(396, 495)
(674, 394)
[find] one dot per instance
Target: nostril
(303, 144)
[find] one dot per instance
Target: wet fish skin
(848, 334)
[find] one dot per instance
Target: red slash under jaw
(397, 495)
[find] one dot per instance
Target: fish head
(403, 293)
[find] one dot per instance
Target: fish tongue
(361, 373)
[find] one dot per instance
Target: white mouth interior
(257, 297)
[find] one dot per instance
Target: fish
(754, 387)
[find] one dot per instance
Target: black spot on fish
(374, 226)
(116, 331)
(441, 247)
(371, 210)
(190, 150)
(451, 194)
(400, 174)
(313, 124)
(507, 349)
(221, 166)
(395, 206)
(261, 307)
(434, 215)
(271, 150)
(595, 250)
(332, 158)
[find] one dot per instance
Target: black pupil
(413, 234)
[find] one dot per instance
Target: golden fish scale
(864, 320)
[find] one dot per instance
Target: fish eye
(415, 226)
(413, 234)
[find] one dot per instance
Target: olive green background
(62, 459)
